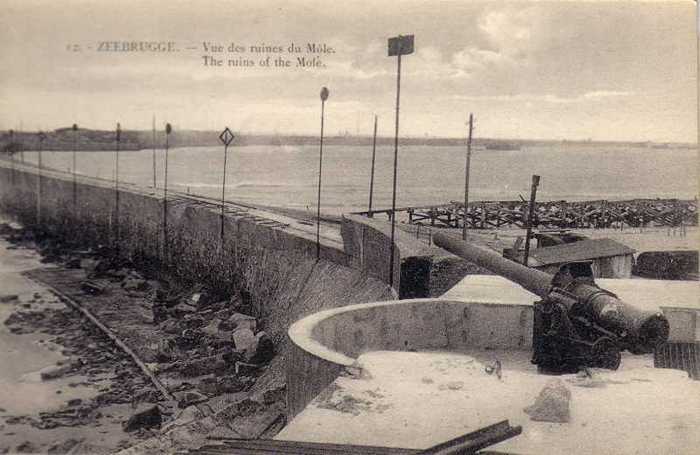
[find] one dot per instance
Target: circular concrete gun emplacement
(414, 373)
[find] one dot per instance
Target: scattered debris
(244, 340)
(55, 372)
(552, 404)
(494, 368)
(93, 287)
(9, 298)
(238, 320)
(63, 447)
(148, 416)
(26, 447)
(189, 397)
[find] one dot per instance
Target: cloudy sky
(608, 71)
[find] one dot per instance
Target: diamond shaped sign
(226, 136)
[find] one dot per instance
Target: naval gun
(577, 324)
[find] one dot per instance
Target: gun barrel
(535, 281)
(641, 330)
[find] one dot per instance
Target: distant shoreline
(97, 140)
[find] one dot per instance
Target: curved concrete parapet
(325, 343)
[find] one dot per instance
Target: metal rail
(109, 334)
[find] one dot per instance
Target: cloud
(472, 60)
(515, 30)
(606, 94)
(598, 95)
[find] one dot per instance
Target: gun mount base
(564, 345)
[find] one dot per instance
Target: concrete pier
(272, 255)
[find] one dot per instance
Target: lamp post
(168, 130)
(324, 97)
(398, 46)
(116, 188)
(75, 184)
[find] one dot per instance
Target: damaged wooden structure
(600, 214)
(608, 258)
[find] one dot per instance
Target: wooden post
(530, 216)
(371, 178)
(466, 175)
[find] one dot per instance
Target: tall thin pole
(371, 178)
(154, 151)
(466, 176)
(530, 216)
(39, 184)
(12, 154)
(21, 152)
(223, 194)
(396, 158)
(324, 97)
(75, 183)
(168, 128)
(116, 190)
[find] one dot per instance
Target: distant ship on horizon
(502, 146)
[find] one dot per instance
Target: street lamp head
(324, 94)
(168, 128)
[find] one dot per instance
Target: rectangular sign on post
(402, 45)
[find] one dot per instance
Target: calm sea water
(287, 175)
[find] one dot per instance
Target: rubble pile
(205, 348)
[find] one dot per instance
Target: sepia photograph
(356, 227)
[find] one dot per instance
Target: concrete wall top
(406, 242)
(341, 334)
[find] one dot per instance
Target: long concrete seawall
(262, 253)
